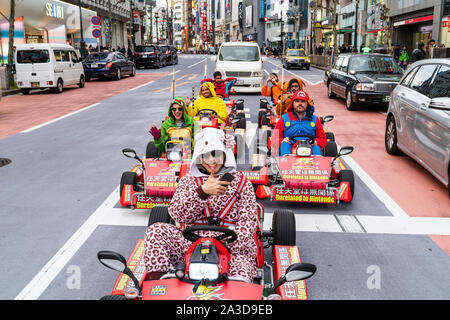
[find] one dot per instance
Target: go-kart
(302, 176)
(204, 273)
(154, 179)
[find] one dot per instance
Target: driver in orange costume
(200, 198)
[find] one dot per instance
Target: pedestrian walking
(397, 52)
(366, 50)
(418, 53)
(403, 58)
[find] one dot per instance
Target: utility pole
(355, 42)
(387, 28)
(109, 25)
(82, 48)
(132, 42)
(334, 17)
(9, 67)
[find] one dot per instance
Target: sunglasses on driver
(215, 154)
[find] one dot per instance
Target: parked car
(149, 56)
(171, 55)
(296, 58)
(47, 65)
(108, 65)
(362, 79)
(418, 118)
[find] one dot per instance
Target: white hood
(207, 140)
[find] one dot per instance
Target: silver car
(418, 118)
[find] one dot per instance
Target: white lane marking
(60, 118)
(142, 85)
(203, 60)
(48, 273)
(267, 72)
(315, 222)
(304, 79)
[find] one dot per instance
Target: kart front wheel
(283, 228)
(347, 176)
(130, 178)
(330, 149)
(159, 214)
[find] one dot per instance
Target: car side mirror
(213, 58)
(442, 103)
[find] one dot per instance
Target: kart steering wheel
(207, 111)
(189, 233)
(310, 138)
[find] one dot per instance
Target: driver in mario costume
(202, 198)
(299, 120)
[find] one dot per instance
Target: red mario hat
(300, 95)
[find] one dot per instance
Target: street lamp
(82, 48)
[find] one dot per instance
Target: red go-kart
(204, 273)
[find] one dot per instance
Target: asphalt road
(60, 207)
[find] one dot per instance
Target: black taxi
(362, 79)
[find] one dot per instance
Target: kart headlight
(199, 271)
(365, 87)
(303, 151)
(174, 156)
(257, 74)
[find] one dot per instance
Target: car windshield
(144, 49)
(298, 53)
(33, 56)
(239, 53)
(164, 48)
(374, 64)
(99, 56)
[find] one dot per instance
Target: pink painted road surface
(21, 112)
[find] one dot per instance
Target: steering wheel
(207, 111)
(189, 233)
(310, 139)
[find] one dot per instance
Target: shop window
(440, 87)
(422, 78)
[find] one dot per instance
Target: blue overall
(227, 90)
(307, 126)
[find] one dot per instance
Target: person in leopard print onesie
(213, 155)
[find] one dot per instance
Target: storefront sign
(415, 20)
(52, 10)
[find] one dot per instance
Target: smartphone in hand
(227, 177)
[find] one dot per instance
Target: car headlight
(365, 87)
(303, 152)
(199, 271)
(257, 74)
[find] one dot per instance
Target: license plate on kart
(386, 98)
(35, 84)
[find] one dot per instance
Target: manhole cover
(4, 162)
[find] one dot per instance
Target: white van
(47, 65)
(241, 60)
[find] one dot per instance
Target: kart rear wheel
(159, 214)
(283, 228)
(152, 151)
(330, 136)
(129, 178)
(113, 297)
(330, 149)
(347, 176)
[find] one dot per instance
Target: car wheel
(25, 90)
(347, 176)
(133, 71)
(59, 86)
(349, 104)
(307, 68)
(81, 83)
(128, 178)
(119, 74)
(390, 137)
(283, 228)
(159, 214)
(87, 78)
(331, 94)
(152, 152)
